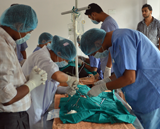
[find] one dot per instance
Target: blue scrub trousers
(150, 120)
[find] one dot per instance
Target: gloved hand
(97, 89)
(37, 69)
(107, 72)
(69, 91)
(80, 62)
(72, 82)
(102, 81)
(36, 78)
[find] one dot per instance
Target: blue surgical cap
(63, 48)
(21, 18)
(92, 40)
(45, 38)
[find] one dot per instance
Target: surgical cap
(92, 40)
(63, 48)
(21, 18)
(45, 38)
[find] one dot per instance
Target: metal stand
(75, 28)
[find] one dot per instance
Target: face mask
(49, 46)
(24, 39)
(95, 22)
(101, 55)
(61, 64)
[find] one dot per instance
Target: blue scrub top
(21, 47)
(37, 48)
(132, 50)
(108, 25)
(94, 62)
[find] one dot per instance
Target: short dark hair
(147, 5)
(14, 4)
(93, 8)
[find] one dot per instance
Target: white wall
(141, 3)
(155, 6)
(128, 14)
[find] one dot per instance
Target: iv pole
(75, 28)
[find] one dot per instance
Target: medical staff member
(50, 58)
(43, 40)
(96, 14)
(135, 74)
(17, 23)
(94, 64)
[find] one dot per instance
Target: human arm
(106, 80)
(44, 62)
(94, 64)
(23, 50)
(64, 79)
(127, 78)
(21, 92)
(109, 62)
(36, 77)
(87, 61)
(24, 54)
(92, 69)
(89, 67)
(60, 77)
(113, 77)
(84, 59)
(107, 72)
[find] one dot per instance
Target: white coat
(42, 96)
